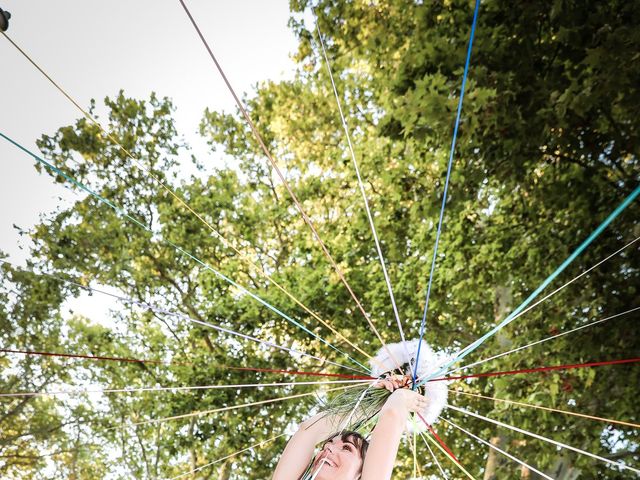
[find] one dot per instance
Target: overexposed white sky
(94, 48)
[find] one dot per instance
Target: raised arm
(385, 438)
(299, 450)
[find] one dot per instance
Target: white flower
(429, 362)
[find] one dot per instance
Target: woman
(347, 456)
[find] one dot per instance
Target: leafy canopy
(548, 147)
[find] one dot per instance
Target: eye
(348, 448)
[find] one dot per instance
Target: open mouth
(330, 463)
(326, 461)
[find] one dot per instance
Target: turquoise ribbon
(470, 348)
(121, 212)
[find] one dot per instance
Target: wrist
(395, 412)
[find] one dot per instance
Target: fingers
(404, 401)
(423, 403)
(419, 403)
(400, 381)
(403, 397)
(394, 382)
(385, 383)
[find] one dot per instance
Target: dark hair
(358, 440)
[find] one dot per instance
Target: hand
(393, 382)
(404, 401)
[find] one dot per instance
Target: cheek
(351, 463)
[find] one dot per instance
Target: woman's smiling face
(339, 459)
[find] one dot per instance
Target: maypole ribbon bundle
(357, 406)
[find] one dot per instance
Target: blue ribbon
(446, 184)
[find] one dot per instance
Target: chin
(330, 474)
(326, 476)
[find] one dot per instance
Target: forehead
(338, 441)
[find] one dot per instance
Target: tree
(548, 148)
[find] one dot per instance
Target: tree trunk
(501, 307)
(563, 470)
(192, 452)
(493, 461)
(224, 472)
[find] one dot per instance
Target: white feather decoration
(405, 353)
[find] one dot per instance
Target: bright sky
(94, 48)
